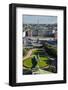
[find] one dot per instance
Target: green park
(39, 60)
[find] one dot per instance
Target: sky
(35, 19)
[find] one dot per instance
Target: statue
(35, 61)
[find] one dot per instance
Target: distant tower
(29, 33)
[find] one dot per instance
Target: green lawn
(27, 62)
(42, 63)
(38, 51)
(42, 59)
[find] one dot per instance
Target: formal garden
(41, 56)
(39, 59)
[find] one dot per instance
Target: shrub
(52, 51)
(24, 52)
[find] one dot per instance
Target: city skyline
(36, 19)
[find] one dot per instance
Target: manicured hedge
(52, 51)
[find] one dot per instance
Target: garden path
(29, 53)
(40, 71)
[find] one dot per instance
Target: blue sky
(34, 19)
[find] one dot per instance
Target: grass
(43, 58)
(38, 51)
(42, 63)
(27, 62)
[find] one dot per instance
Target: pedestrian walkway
(40, 71)
(28, 54)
